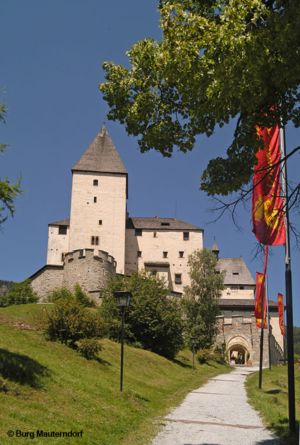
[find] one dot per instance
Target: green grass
(51, 387)
(272, 400)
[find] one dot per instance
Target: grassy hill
(272, 400)
(50, 387)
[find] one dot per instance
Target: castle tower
(98, 201)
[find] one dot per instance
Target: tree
(217, 60)
(153, 320)
(201, 299)
(8, 191)
(19, 293)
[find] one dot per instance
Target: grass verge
(47, 386)
(272, 400)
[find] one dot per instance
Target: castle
(100, 239)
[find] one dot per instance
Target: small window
(62, 257)
(153, 272)
(235, 273)
(186, 236)
(154, 234)
(100, 222)
(80, 254)
(95, 182)
(165, 254)
(95, 240)
(178, 279)
(165, 224)
(242, 287)
(62, 230)
(95, 198)
(139, 254)
(181, 254)
(138, 232)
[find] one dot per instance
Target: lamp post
(123, 301)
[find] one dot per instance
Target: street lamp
(123, 301)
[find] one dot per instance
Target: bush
(65, 294)
(153, 319)
(69, 322)
(82, 297)
(88, 348)
(204, 356)
(19, 293)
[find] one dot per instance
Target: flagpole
(269, 325)
(289, 295)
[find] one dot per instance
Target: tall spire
(101, 156)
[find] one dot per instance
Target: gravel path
(216, 414)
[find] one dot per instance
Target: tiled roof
(156, 223)
(62, 222)
(101, 156)
(236, 272)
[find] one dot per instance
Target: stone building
(101, 239)
(237, 324)
(100, 233)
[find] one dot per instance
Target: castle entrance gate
(238, 351)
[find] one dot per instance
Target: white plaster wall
(238, 294)
(110, 208)
(274, 321)
(57, 244)
(152, 249)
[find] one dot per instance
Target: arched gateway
(238, 350)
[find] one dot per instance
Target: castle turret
(98, 202)
(215, 249)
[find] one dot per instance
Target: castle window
(138, 232)
(154, 234)
(178, 279)
(100, 222)
(242, 287)
(235, 273)
(95, 182)
(139, 254)
(181, 253)
(165, 224)
(186, 236)
(62, 230)
(95, 198)
(165, 254)
(62, 257)
(94, 240)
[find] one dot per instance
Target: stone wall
(90, 271)
(46, 280)
(241, 331)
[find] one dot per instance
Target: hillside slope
(47, 386)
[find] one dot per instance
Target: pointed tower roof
(215, 247)
(101, 156)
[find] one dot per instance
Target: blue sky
(51, 57)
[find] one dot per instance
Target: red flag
(260, 300)
(281, 313)
(267, 203)
(260, 295)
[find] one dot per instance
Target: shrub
(19, 293)
(204, 356)
(60, 294)
(88, 347)
(153, 320)
(82, 297)
(69, 322)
